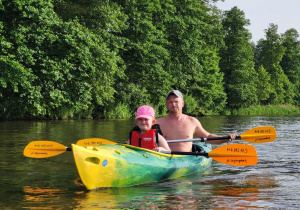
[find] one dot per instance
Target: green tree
(264, 88)
(51, 68)
(237, 61)
(171, 44)
(144, 55)
(74, 58)
(104, 18)
(107, 20)
(195, 34)
(291, 61)
(270, 55)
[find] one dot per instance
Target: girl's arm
(162, 144)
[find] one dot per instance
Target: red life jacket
(148, 140)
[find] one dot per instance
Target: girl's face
(144, 124)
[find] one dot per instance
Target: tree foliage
(237, 61)
(195, 35)
(290, 62)
(271, 54)
(264, 88)
(82, 58)
(51, 68)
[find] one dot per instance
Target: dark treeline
(103, 59)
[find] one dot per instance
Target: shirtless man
(177, 125)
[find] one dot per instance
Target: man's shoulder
(188, 117)
(192, 119)
(161, 119)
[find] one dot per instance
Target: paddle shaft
(201, 139)
(262, 134)
(187, 153)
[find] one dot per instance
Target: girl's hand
(159, 149)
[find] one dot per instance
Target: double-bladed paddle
(234, 154)
(262, 134)
(44, 149)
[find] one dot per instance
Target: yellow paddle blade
(43, 149)
(93, 142)
(259, 135)
(235, 154)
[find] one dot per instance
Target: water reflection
(101, 199)
(41, 194)
(202, 191)
(142, 197)
(245, 193)
(37, 197)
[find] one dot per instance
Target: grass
(265, 110)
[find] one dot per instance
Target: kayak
(120, 165)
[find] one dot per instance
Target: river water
(53, 183)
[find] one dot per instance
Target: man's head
(174, 102)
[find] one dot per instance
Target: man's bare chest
(176, 130)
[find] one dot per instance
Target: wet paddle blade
(43, 149)
(235, 154)
(260, 135)
(237, 161)
(93, 142)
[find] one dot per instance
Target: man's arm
(200, 132)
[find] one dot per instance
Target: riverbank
(265, 110)
(124, 113)
(253, 110)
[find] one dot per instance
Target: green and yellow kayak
(118, 165)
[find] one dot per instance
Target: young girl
(147, 134)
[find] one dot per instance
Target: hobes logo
(148, 139)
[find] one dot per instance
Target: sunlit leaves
(53, 68)
(271, 53)
(237, 61)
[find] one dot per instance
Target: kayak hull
(115, 165)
